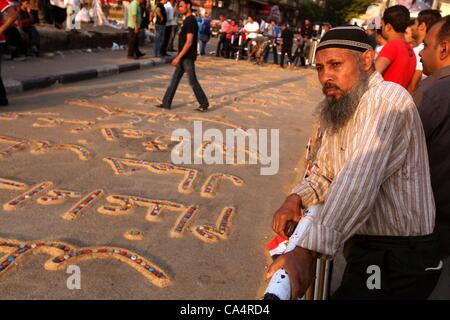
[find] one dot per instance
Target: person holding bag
(205, 33)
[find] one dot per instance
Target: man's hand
(299, 265)
(136, 29)
(289, 211)
(175, 62)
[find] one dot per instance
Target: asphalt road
(241, 95)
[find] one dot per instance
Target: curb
(14, 86)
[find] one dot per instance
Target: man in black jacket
(287, 41)
(433, 102)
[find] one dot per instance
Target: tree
(310, 10)
(339, 12)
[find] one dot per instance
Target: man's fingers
(281, 224)
(275, 223)
(277, 264)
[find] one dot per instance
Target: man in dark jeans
(160, 26)
(220, 52)
(287, 41)
(273, 33)
(185, 61)
(134, 22)
(7, 7)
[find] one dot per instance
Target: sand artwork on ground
(124, 205)
(39, 147)
(116, 127)
(63, 254)
(128, 166)
(212, 234)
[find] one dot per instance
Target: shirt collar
(440, 74)
(443, 73)
(375, 79)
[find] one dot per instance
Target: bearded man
(371, 176)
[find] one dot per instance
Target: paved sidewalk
(72, 66)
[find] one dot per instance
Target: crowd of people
(22, 37)
(163, 16)
(251, 39)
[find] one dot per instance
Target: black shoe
(132, 57)
(140, 54)
(201, 109)
(162, 106)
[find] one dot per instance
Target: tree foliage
(337, 12)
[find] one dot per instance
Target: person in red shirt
(6, 7)
(397, 61)
(233, 29)
(25, 22)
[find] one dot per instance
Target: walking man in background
(185, 61)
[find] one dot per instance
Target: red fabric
(276, 246)
(231, 30)
(4, 4)
(403, 62)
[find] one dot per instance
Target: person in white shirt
(72, 7)
(422, 24)
(251, 28)
(169, 12)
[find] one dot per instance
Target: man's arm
(412, 86)
(186, 47)
(136, 28)
(12, 16)
(381, 64)
(310, 191)
(387, 55)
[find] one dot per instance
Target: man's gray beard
(334, 114)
